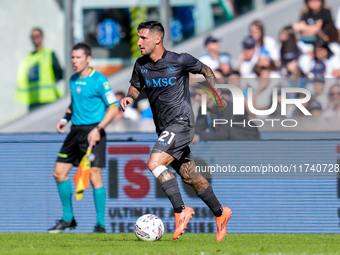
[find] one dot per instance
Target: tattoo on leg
(190, 176)
(167, 175)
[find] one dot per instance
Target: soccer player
(165, 75)
(93, 106)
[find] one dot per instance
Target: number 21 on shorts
(165, 134)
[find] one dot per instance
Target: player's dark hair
(37, 29)
(153, 26)
(83, 46)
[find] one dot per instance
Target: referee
(165, 76)
(93, 106)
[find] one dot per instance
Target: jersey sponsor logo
(171, 69)
(78, 89)
(110, 97)
(80, 82)
(160, 82)
(106, 85)
(163, 143)
(144, 70)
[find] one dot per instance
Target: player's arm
(63, 121)
(94, 135)
(211, 79)
(132, 95)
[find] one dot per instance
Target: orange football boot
(222, 223)
(182, 220)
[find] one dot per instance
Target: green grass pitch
(202, 244)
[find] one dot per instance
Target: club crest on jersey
(78, 89)
(171, 69)
(148, 82)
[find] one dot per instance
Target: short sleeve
(190, 64)
(304, 17)
(327, 16)
(106, 92)
(135, 80)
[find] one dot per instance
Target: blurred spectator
(264, 42)
(235, 79)
(318, 68)
(288, 40)
(337, 21)
(314, 108)
(249, 57)
(323, 53)
(291, 70)
(313, 15)
(212, 46)
(290, 44)
(333, 110)
(224, 69)
(310, 105)
(330, 35)
(265, 62)
(262, 94)
(129, 113)
(318, 91)
(37, 75)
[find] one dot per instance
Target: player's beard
(148, 52)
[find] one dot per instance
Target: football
(149, 228)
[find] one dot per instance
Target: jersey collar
(164, 54)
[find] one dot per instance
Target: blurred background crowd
(257, 44)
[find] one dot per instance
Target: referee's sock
(208, 197)
(99, 196)
(171, 189)
(65, 194)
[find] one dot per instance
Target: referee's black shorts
(75, 146)
(175, 140)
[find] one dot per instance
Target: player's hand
(60, 125)
(223, 106)
(93, 137)
(196, 139)
(125, 101)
